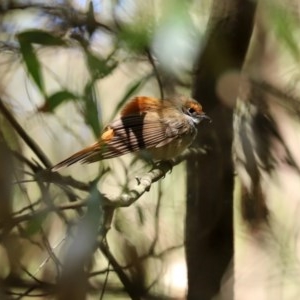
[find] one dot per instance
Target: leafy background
(67, 69)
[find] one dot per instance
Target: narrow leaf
(41, 37)
(35, 224)
(99, 68)
(32, 63)
(91, 109)
(132, 89)
(55, 100)
(285, 25)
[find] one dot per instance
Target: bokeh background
(223, 225)
(66, 69)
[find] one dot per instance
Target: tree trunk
(209, 229)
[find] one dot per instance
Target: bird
(162, 128)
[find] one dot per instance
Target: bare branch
(26, 138)
(128, 285)
(156, 73)
(67, 13)
(144, 182)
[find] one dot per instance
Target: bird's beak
(204, 116)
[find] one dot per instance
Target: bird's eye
(191, 110)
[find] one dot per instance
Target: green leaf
(285, 26)
(34, 225)
(98, 67)
(31, 61)
(55, 100)
(26, 39)
(91, 109)
(41, 37)
(137, 37)
(132, 89)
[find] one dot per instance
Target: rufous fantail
(163, 128)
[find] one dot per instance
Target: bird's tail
(86, 155)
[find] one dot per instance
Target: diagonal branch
(25, 137)
(128, 285)
(143, 185)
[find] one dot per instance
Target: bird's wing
(128, 134)
(134, 133)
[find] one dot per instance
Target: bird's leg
(165, 165)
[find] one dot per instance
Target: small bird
(163, 128)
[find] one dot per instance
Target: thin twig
(145, 181)
(105, 282)
(22, 133)
(100, 272)
(73, 17)
(114, 201)
(128, 285)
(157, 76)
(39, 212)
(48, 257)
(56, 178)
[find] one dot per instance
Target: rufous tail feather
(80, 156)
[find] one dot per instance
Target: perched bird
(163, 128)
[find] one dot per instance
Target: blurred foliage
(164, 35)
(60, 224)
(285, 23)
(54, 100)
(133, 29)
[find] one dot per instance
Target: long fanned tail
(84, 156)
